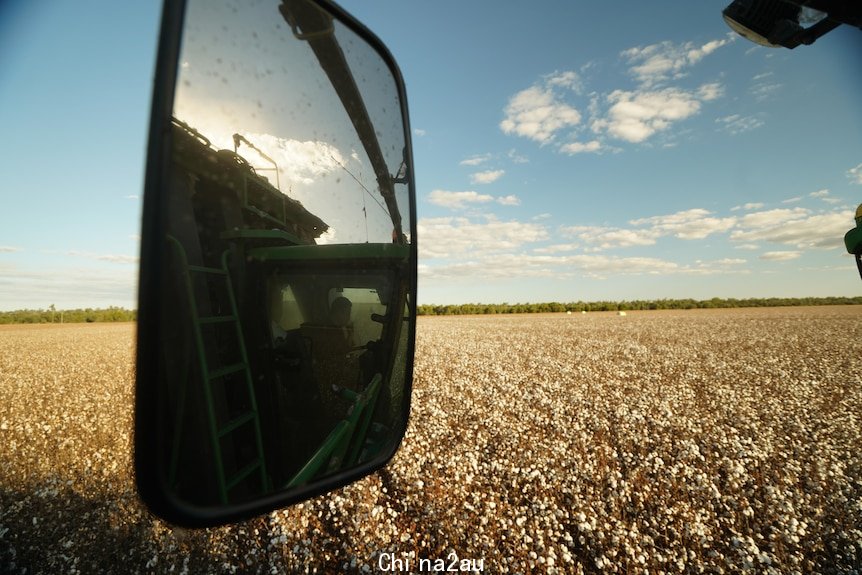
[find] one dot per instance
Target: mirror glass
(287, 274)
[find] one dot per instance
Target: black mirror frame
(151, 488)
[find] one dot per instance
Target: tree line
(53, 315)
(577, 307)
(119, 314)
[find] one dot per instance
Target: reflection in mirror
(285, 313)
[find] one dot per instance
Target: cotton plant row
(676, 443)
(660, 442)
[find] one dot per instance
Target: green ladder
(219, 431)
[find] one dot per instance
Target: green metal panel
(322, 455)
(318, 252)
(853, 240)
(363, 419)
(349, 431)
(254, 234)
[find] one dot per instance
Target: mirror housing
(788, 23)
(277, 303)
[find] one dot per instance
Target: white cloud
(510, 200)
(602, 238)
(710, 47)
(709, 92)
(68, 287)
(486, 177)
(330, 236)
(825, 196)
(517, 158)
(780, 256)
(748, 206)
(118, 258)
(566, 79)
(495, 249)
(458, 237)
(694, 224)
(731, 261)
(556, 248)
(597, 264)
(736, 124)
(636, 116)
(113, 258)
(456, 200)
(855, 174)
(299, 161)
(9, 249)
(475, 160)
(772, 218)
(722, 266)
(504, 266)
(764, 91)
(794, 227)
(419, 132)
(691, 224)
(508, 265)
(792, 200)
(573, 148)
(666, 60)
(539, 113)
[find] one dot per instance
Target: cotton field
(701, 441)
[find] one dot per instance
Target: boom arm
(315, 26)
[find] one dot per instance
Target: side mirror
(277, 297)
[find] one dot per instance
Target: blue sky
(611, 151)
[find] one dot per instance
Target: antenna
(365, 213)
(358, 181)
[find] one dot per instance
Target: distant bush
(555, 307)
(118, 314)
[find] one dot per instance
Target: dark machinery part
(789, 23)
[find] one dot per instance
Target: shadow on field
(52, 528)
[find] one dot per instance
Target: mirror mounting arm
(306, 32)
